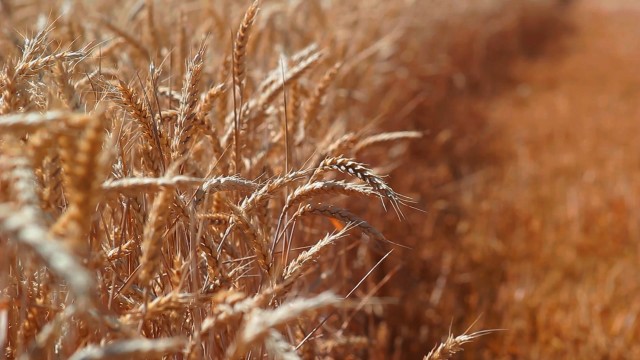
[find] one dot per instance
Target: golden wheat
(158, 163)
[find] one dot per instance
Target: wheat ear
(152, 241)
(313, 105)
(342, 215)
(188, 122)
(152, 148)
(453, 345)
(131, 349)
(385, 137)
(309, 191)
(258, 323)
(85, 167)
(240, 44)
(28, 122)
(255, 238)
(359, 170)
(299, 265)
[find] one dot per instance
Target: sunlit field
(317, 179)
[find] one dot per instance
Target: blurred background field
(543, 239)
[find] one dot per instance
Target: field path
(565, 210)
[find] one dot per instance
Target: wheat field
(233, 179)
